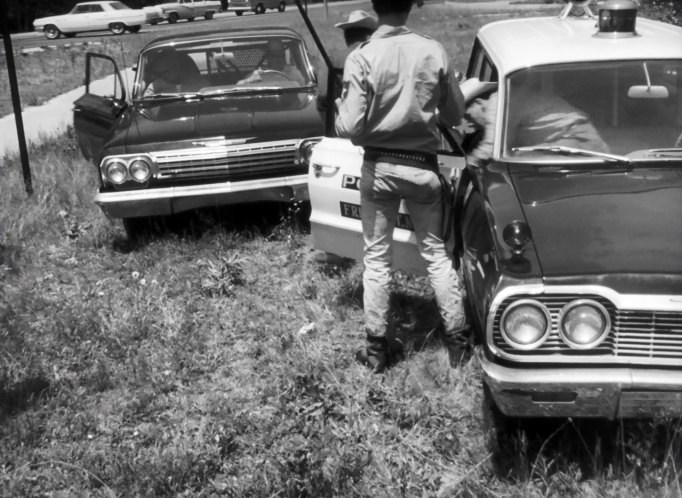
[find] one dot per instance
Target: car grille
(648, 337)
(229, 163)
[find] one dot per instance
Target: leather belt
(407, 157)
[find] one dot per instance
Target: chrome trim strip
(629, 302)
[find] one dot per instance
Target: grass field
(214, 358)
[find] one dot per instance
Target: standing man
(396, 88)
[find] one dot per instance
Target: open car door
(94, 112)
(333, 179)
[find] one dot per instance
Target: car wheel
(154, 22)
(282, 6)
(239, 12)
(190, 19)
(51, 31)
(117, 28)
(260, 9)
(208, 16)
(134, 29)
(173, 17)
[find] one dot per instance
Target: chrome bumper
(170, 200)
(583, 392)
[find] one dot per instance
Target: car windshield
(227, 66)
(587, 111)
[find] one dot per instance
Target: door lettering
(349, 210)
(350, 182)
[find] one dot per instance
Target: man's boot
(375, 355)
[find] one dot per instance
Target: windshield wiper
(254, 89)
(573, 151)
(669, 152)
(167, 97)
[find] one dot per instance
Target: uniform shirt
(396, 87)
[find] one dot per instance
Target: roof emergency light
(617, 19)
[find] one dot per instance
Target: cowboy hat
(358, 19)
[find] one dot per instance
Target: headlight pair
(582, 324)
(119, 170)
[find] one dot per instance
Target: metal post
(16, 103)
(329, 116)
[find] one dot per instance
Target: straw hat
(358, 19)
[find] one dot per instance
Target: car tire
(239, 12)
(190, 19)
(134, 29)
(51, 32)
(260, 9)
(117, 28)
(173, 18)
(208, 16)
(282, 6)
(154, 22)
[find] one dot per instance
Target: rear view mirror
(648, 92)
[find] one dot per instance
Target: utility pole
(16, 103)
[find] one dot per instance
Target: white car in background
(92, 16)
(189, 9)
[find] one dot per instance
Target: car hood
(604, 222)
(174, 125)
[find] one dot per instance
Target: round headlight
(525, 324)
(584, 324)
(140, 170)
(116, 171)
(305, 151)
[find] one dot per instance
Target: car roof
(221, 34)
(519, 43)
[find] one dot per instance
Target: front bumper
(583, 392)
(171, 200)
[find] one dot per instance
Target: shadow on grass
(265, 219)
(19, 397)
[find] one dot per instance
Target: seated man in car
(539, 118)
(275, 66)
(170, 71)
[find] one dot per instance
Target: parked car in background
(92, 16)
(216, 118)
(568, 230)
(154, 14)
(189, 10)
(257, 6)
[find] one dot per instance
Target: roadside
(51, 118)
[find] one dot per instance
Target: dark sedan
(215, 118)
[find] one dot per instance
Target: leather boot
(375, 355)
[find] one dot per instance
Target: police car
(568, 231)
